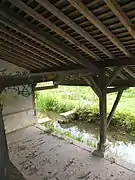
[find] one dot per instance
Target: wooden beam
(38, 49)
(121, 83)
(116, 83)
(113, 76)
(114, 107)
(22, 58)
(132, 74)
(96, 22)
(52, 26)
(7, 22)
(4, 157)
(32, 78)
(74, 26)
(121, 15)
(16, 62)
(48, 39)
(28, 51)
(91, 82)
(73, 83)
(118, 62)
(115, 89)
(42, 88)
(122, 76)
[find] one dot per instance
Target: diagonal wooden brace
(91, 82)
(113, 76)
(114, 107)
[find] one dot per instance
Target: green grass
(66, 98)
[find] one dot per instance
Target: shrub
(68, 98)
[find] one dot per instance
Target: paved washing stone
(41, 156)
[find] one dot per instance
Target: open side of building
(69, 42)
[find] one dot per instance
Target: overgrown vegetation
(85, 103)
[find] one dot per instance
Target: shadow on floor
(14, 173)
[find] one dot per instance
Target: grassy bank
(85, 103)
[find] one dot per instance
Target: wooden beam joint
(91, 82)
(113, 76)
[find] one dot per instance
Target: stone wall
(18, 109)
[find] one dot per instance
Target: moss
(90, 143)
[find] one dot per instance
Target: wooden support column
(103, 121)
(4, 157)
(103, 113)
(114, 107)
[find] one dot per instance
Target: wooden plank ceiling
(49, 35)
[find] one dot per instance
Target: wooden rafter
(22, 54)
(7, 22)
(118, 62)
(74, 26)
(122, 76)
(121, 15)
(52, 26)
(9, 54)
(95, 21)
(17, 62)
(10, 42)
(48, 39)
(132, 74)
(37, 49)
(121, 83)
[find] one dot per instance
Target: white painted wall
(18, 111)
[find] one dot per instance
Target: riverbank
(85, 105)
(40, 155)
(119, 144)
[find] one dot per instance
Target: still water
(119, 144)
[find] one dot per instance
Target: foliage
(53, 103)
(85, 103)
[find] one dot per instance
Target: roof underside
(63, 35)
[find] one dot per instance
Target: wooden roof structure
(73, 42)
(67, 35)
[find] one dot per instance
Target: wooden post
(103, 119)
(4, 157)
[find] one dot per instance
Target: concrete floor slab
(41, 156)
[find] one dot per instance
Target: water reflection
(119, 144)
